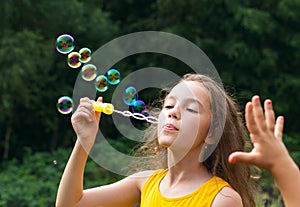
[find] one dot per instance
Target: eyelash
(192, 110)
(188, 109)
(168, 106)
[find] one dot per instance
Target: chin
(165, 145)
(165, 142)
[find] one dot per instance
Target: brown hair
(232, 138)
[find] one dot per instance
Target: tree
(34, 75)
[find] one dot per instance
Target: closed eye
(192, 110)
(168, 106)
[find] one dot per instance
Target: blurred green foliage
(33, 182)
(255, 47)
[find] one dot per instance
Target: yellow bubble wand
(108, 108)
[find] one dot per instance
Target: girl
(189, 126)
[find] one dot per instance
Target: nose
(174, 113)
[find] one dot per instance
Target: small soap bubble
(139, 106)
(101, 83)
(88, 72)
(73, 60)
(114, 76)
(130, 96)
(65, 44)
(85, 55)
(146, 112)
(255, 173)
(65, 105)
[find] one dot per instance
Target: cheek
(191, 125)
(162, 118)
(204, 128)
(161, 122)
(196, 128)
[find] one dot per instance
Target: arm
(269, 151)
(85, 122)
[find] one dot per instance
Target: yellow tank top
(202, 197)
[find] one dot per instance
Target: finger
(85, 99)
(98, 114)
(82, 113)
(278, 132)
(100, 99)
(87, 107)
(258, 113)
(81, 102)
(244, 157)
(269, 114)
(86, 102)
(250, 121)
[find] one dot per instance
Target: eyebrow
(196, 101)
(188, 99)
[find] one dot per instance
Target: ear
(211, 140)
(214, 134)
(206, 151)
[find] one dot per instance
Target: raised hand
(266, 136)
(85, 122)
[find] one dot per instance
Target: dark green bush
(33, 182)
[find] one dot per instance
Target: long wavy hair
(232, 138)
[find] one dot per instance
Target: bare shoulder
(227, 197)
(141, 177)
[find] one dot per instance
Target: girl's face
(185, 118)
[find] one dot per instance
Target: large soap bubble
(88, 72)
(130, 96)
(101, 83)
(85, 55)
(65, 105)
(114, 76)
(74, 60)
(65, 44)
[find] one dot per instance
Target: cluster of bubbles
(75, 59)
(112, 77)
(65, 45)
(130, 98)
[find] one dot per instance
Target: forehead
(190, 89)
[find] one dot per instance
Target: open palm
(265, 133)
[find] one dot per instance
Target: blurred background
(254, 45)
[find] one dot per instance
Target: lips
(170, 127)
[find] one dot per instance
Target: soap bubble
(101, 83)
(146, 112)
(65, 105)
(130, 96)
(89, 72)
(65, 44)
(139, 106)
(85, 55)
(114, 76)
(73, 60)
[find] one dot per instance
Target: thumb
(100, 99)
(98, 114)
(244, 157)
